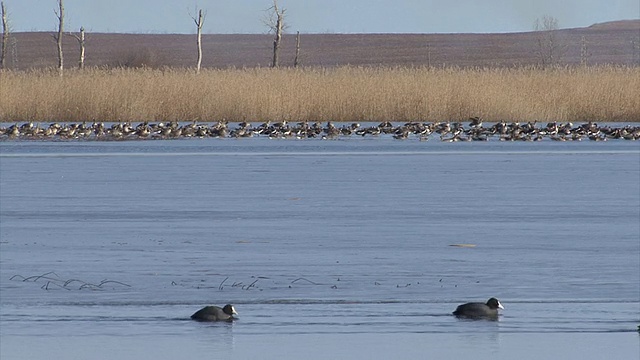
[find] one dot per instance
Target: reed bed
(341, 94)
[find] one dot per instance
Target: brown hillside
(607, 43)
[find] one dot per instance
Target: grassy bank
(315, 94)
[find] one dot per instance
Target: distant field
(616, 43)
(575, 94)
(344, 77)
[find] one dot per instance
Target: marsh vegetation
(342, 94)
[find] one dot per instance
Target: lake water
(334, 249)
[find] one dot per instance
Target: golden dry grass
(317, 94)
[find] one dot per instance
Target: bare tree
(58, 37)
(199, 22)
(584, 51)
(275, 22)
(5, 35)
(549, 50)
(80, 38)
(13, 49)
(635, 51)
(296, 60)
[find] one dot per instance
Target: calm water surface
(328, 249)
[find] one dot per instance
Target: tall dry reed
(318, 94)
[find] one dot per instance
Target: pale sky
(316, 16)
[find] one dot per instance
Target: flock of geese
(445, 131)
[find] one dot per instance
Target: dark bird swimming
(477, 310)
(215, 313)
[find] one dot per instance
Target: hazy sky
(317, 16)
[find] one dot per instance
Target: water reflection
(213, 336)
(368, 225)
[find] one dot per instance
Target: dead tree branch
(296, 60)
(58, 37)
(275, 23)
(5, 35)
(199, 22)
(80, 38)
(549, 49)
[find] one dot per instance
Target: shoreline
(444, 131)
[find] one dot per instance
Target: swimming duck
(477, 310)
(215, 313)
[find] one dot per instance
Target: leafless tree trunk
(296, 61)
(635, 52)
(5, 35)
(199, 22)
(549, 49)
(276, 24)
(584, 52)
(58, 37)
(80, 39)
